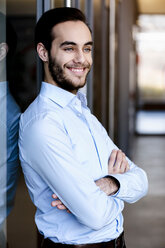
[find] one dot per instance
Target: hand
(118, 163)
(57, 203)
(109, 185)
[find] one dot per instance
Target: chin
(78, 86)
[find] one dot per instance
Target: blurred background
(126, 91)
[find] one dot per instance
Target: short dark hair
(43, 30)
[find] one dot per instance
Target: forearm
(133, 184)
(108, 184)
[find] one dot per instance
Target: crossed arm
(117, 164)
(79, 188)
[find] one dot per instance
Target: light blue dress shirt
(13, 165)
(63, 150)
(9, 158)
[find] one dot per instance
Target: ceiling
(151, 6)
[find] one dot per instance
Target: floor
(145, 220)
(21, 229)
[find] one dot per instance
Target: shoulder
(40, 116)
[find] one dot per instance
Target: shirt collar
(60, 96)
(82, 98)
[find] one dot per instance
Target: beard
(61, 79)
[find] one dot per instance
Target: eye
(68, 49)
(87, 49)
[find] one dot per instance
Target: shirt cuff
(123, 185)
(116, 182)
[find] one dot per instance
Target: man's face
(70, 57)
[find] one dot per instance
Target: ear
(42, 52)
(3, 50)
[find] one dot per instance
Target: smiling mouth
(77, 70)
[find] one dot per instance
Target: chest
(88, 144)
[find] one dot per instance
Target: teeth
(77, 70)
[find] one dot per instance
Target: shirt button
(78, 114)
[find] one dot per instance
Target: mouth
(77, 71)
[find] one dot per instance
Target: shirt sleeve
(46, 147)
(134, 183)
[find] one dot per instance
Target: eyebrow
(65, 43)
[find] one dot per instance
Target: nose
(79, 57)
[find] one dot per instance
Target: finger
(54, 196)
(119, 159)
(61, 207)
(124, 165)
(127, 167)
(56, 203)
(125, 161)
(112, 160)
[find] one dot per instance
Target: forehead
(75, 31)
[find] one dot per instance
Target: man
(65, 150)
(9, 125)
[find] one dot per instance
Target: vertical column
(42, 6)
(126, 16)
(112, 5)
(67, 3)
(89, 15)
(40, 11)
(52, 4)
(3, 6)
(103, 63)
(47, 5)
(77, 4)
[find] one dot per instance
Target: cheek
(90, 60)
(64, 59)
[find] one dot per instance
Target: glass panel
(3, 126)
(22, 89)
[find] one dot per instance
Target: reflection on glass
(9, 121)
(23, 87)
